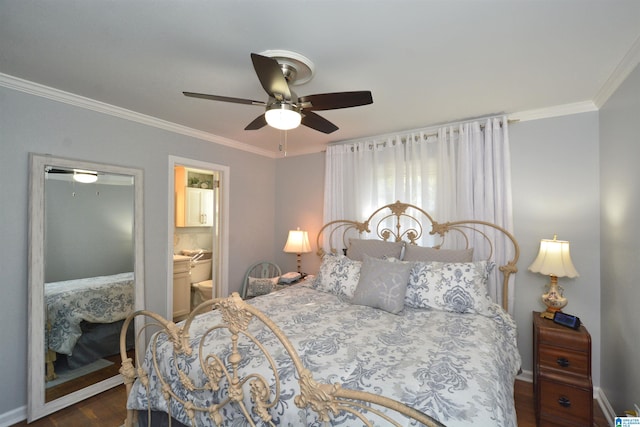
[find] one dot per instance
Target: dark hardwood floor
(107, 410)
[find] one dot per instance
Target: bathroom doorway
(198, 234)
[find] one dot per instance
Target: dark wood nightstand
(562, 385)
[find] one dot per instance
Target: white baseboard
(14, 416)
(607, 410)
(525, 376)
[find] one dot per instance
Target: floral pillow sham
(338, 275)
(459, 287)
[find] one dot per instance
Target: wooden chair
(261, 270)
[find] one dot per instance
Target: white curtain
(460, 172)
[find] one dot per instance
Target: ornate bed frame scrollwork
(406, 222)
(326, 400)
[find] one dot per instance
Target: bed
(84, 318)
(373, 339)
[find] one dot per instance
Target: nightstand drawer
(563, 360)
(565, 404)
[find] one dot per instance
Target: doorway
(198, 233)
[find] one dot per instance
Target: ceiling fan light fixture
(283, 116)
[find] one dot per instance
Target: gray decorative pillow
(338, 275)
(425, 254)
(382, 284)
(456, 287)
(260, 286)
(373, 248)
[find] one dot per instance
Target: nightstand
(562, 385)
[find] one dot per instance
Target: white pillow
(338, 275)
(459, 287)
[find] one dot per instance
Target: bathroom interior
(195, 238)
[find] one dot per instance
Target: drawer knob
(564, 401)
(563, 361)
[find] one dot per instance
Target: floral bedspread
(458, 368)
(102, 299)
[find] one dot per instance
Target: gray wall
(87, 224)
(620, 244)
(33, 124)
(556, 190)
(299, 203)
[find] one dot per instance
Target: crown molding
(555, 111)
(620, 73)
(37, 89)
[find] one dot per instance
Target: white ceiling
(426, 62)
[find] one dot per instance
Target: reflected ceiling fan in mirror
(277, 71)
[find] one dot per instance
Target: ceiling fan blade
(224, 98)
(333, 101)
(258, 123)
(271, 77)
(318, 123)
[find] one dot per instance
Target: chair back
(261, 270)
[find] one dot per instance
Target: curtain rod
(430, 131)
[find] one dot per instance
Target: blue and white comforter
(458, 368)
(102, 299)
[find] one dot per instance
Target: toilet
(201, 292)
(201, 283)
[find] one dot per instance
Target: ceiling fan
(277, 71)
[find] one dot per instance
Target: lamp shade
(297, 242)
(283, 116)
(554, 259)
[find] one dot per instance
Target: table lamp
(553, 260)
(297, 243)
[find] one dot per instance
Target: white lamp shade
(297, 242)
(283, 116)
(554, 259)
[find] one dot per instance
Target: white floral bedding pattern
(458, 368)
(102, 299)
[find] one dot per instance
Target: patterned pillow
(338, 275)
(373, 248)
(382, 284)
(456, 287)
(260, 286)
(425, 254)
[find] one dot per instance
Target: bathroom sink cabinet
(181, 288)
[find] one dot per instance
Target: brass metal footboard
(225, 374)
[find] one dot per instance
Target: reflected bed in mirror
(85, 276)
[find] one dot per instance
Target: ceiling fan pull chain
(280, 146)
(286, 133)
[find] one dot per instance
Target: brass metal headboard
(399, 221)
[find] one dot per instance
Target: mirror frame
(37, 407)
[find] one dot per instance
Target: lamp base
(548, 314)
(553, 299)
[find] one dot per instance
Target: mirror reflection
(89, 279)
(85, 277)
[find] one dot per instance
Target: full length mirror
(85, 276)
